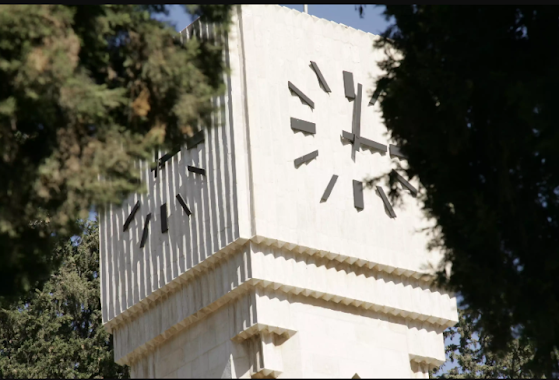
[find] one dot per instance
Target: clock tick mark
(131, 216)
(303, 126)
(163, 209)
(300, 94)
(145, 232)
(196, 170)
(306, 158)
(329, 188)
(196, 139)
(386, 202)
(320, 77)
(406, 184)
(358, 195)
(183, 204)
(349, 87)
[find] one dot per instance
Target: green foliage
(57, 331)
(469, 355)
(85, 92)
(470, 95)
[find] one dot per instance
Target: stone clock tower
(257, 250)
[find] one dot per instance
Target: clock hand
(156, 165)
(356, 124)
(365, 142)
(358, 195)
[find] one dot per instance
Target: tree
(470, 96)
(86, 92)
(56, 331)
(469, 355)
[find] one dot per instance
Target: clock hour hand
(363, 141)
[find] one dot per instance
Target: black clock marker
(356, 123)
(196, 139)
(366, 142)
(300, 94)
(375, 96)
(395, 151)
(349, 87)
(167, 157)
(196, 170)
(131, 216)
(387, 204)
(303, 126)
(163, 209)
(329, 187)
(406, 184)
(320, 77)
(156, 165)
(145, 232)
(307, 157)
(358, 195)
(183, 204)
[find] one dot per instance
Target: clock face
(159, 164)
(352, 137)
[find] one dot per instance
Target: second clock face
(156, 169)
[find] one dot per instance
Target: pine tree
(469, 355)
(56, 331)
(85, 93)
(469, 94)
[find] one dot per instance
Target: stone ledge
(431, 362)
(151, 300)
(360, 262)
(336, 298)
(259, 328)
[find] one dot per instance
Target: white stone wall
(130, 274)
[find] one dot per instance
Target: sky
(372, 22)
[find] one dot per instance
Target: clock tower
(258, 250)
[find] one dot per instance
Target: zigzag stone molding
(360, 262)
(151, 300)
(422, 360)
(255, 266)
(259, 328)
(265, 357)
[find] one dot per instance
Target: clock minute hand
(356, 124)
